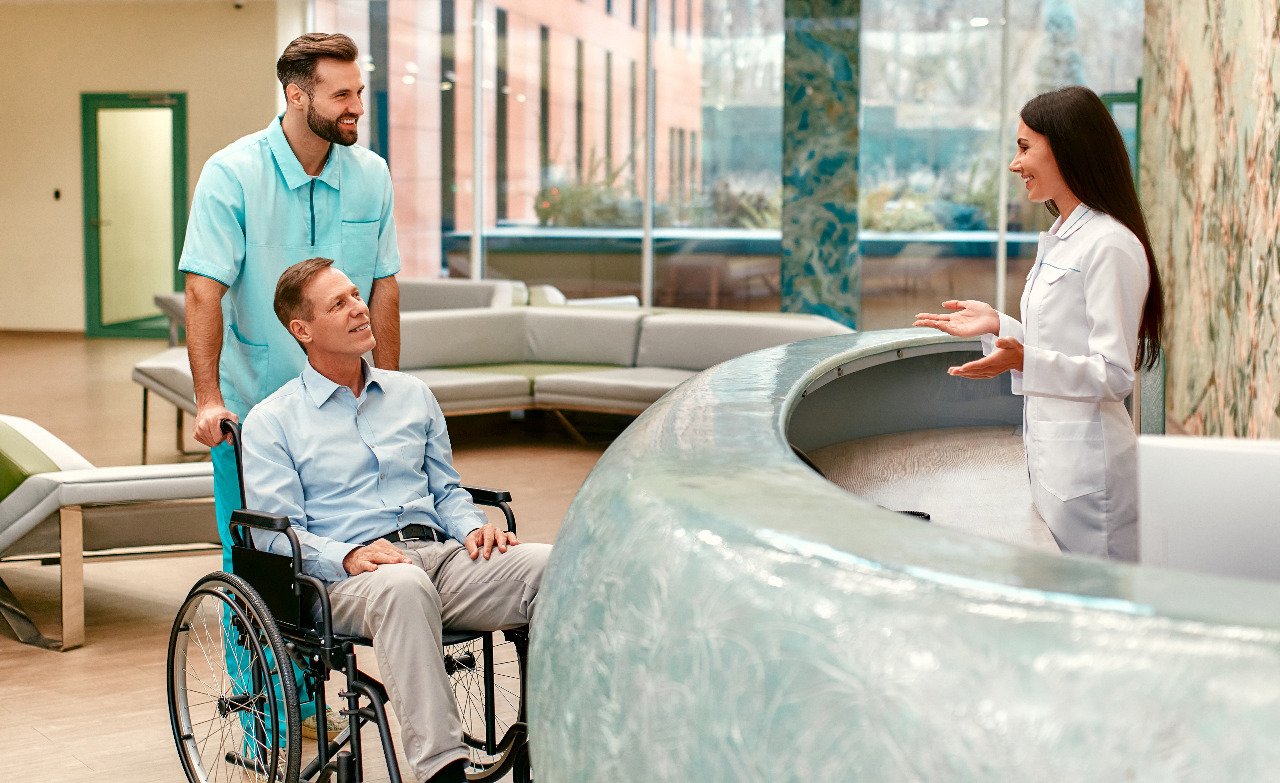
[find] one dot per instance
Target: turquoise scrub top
(256, 212)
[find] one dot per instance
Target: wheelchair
(235, 696)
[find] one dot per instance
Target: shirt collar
(320, 389)
(1067, 225)
(294, 175)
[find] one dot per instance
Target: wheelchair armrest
(260, 519)
(488, 497)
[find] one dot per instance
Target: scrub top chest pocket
(359, 252)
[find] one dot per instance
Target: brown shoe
(334, 724)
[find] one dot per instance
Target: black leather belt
(411, 533)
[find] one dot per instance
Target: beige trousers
(403, 608)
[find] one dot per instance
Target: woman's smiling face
(1034, 162)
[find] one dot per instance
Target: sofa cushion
(533, 370)
(696, 342)
(454, 294)
(643, 385)
(562, 335)
(456, 386)
(168, 374)
(441, 338)
(20, 459)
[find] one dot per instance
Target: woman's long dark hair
(1095, 165)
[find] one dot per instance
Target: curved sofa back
(696, 341)
(622, 336)
(450, 338)
(456, 294)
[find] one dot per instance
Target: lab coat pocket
(1052, 274)
(1068, 457)
(359, 252)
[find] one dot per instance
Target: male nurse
(296, 190)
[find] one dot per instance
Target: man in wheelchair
(359, 460)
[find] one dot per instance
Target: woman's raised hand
(970, 318)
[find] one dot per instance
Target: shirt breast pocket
(359, 251)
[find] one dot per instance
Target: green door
(1126, 109)
(134, 148)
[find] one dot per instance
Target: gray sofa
(498, 356)
(608, 360)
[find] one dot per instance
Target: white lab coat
(1081, 310)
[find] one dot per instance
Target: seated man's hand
(368, 558)
(484, 539)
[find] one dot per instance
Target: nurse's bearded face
(1034, 162)
(335, 102)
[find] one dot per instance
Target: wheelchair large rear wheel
(501, 745)
(233, 702)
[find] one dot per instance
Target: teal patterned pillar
(820, 269)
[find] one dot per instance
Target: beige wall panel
(223, 58)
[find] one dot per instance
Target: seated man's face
(339, 322)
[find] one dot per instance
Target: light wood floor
(99, 713)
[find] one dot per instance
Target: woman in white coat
(1091, 312)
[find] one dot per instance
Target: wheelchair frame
(265, 608)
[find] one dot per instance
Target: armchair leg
(568, 425)
(145, 390)
(17, 618)
(71, 525)
(71, 553)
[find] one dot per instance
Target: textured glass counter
(714, 610)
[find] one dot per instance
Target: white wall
(221, 57)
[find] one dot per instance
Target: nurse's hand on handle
(970, 318)
(208, 428)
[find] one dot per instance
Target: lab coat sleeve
(273, 486)
(1009, 327)
(1115, 283)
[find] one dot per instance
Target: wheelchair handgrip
(486, 496)
(260, 520)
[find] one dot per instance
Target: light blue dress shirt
(348, 469)
(255, 213)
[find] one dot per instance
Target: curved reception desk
(715, 610)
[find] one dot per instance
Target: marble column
(1211, 189)
(820, 269)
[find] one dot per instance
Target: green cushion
(531, 369)
(19, 459)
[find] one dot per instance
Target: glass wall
(931, 160)
(560, 193)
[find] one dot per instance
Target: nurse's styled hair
(1091, 155)
(297, 64)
